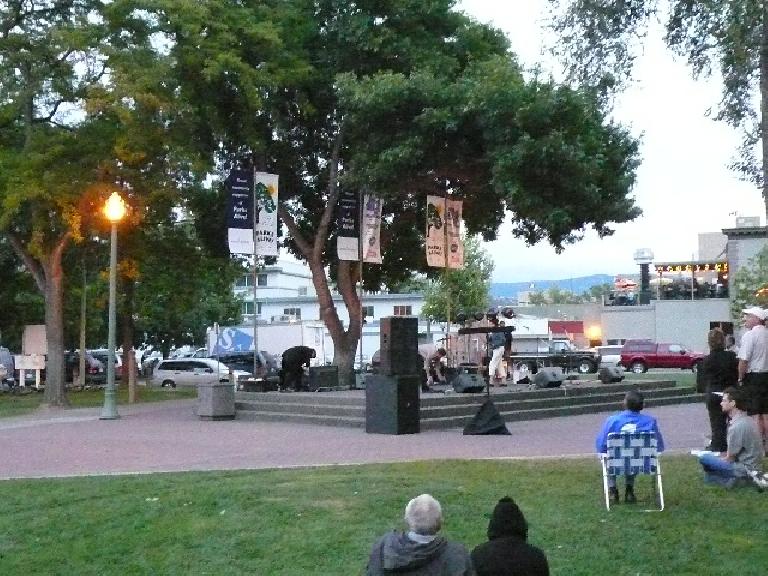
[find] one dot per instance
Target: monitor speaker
(323, 377)
(467, 383)
(392, 404)
(608, 374)
(548, 378)
(399, 353)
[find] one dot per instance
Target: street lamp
(114, 210)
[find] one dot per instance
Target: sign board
(34, 341)
(29, 361)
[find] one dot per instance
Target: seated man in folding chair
(629, 420)
(743, 459)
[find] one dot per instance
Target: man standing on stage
(753, 368)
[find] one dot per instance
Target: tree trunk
(764, 104)
(127, 331)
(55, 391)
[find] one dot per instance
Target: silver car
(192, 372)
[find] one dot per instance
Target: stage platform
(444, 408)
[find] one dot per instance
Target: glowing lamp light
(114, 209)
(594, 333)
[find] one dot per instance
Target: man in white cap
(753, 367)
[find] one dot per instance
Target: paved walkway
(168, 436)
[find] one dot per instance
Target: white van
(192, 371)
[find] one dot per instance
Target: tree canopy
(600, 39)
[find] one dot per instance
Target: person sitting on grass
(420, 551)
(629, 420)
(743, 458)
(507, 553)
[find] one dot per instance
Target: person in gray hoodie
(420, 551)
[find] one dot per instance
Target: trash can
(216, 401)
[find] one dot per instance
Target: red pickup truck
(639, 355)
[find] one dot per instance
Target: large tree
(400, 98)
(49, 154)
(600, 39)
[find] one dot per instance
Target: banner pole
(360, 213)
(255, 279)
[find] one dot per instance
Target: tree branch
(32, 265)
(333, 196)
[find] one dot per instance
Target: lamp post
(114, 210)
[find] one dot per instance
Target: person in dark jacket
(294, 360)
(420, 551)
(720, 370)
(507, 553)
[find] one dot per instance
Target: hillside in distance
(574, 285)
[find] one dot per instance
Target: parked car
(95, 373)
(7, 373)
(640, 355)
(244, 361)
(192, 371)
(610, 355)
(102, 354)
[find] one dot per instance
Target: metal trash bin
(216, 401)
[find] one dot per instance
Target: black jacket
(721, 369)
(295, 357)
(509, 556)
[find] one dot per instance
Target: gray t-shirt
(745, 444)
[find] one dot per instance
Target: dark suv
(95, 373)
(267, 365)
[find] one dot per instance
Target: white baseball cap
(755, 311)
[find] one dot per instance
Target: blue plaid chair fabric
(630, 454)
(633, 453)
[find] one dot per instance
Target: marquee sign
(692, 267)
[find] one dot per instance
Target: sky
(683, 185)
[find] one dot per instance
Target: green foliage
(537, 298)
(22, 302)
(23, 403)
(324, 520)
(749, 285)
(463, 289)
(600, 40)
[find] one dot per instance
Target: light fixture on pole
(114, 210)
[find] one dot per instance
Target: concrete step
(438, 423)
(318, 419)
(456, 410)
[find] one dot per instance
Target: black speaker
(323, 377)
(466, 382)
(487, 421)
(392, 404)
(548, 378)
(398, 349)
(610, 374)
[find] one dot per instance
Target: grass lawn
(18, 404)
(323, 521)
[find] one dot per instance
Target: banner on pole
(454, 246)
(372, 230)
(348, 226)
(435, 231)
(265, 230)
(239, 183)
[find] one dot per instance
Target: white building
(285, 295)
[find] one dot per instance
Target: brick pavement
(167, 436)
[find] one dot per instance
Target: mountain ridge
(574, 285)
